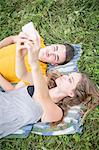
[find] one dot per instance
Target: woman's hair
(69, 53)
(85, 90)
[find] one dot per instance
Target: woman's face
(68, 83)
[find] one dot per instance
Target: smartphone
(30, 31)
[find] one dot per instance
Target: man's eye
(56, 58)
(56, 48)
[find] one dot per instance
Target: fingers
(30, 45)
(23, 35)
(21, 44)
(22, 41)
(20, 47)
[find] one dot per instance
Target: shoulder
(52, 113)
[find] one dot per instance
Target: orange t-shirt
(7, 62)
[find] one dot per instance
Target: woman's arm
(51, 111)
(8, 40)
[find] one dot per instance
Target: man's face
(54, 54)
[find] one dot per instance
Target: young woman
(29, 104)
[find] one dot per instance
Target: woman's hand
(33, 51)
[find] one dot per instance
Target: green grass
(75, 21)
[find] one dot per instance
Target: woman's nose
(65, 76)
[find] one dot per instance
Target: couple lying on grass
(40, 100)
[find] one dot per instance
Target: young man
(54, 54)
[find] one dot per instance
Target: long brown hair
(84, 92)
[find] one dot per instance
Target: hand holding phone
(31, 32)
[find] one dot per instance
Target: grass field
(75, 21)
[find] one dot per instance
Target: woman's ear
(71, 94)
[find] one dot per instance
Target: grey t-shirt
(17, 109)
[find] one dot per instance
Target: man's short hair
(69, 53)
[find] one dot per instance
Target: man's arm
(12, 39)
(21, 70)
(6, 85)
(8, 40)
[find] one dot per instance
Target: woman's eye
(54, 49)
(70, 81)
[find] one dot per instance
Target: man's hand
(8, 41)
(21, 47)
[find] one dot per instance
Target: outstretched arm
(8, 40)
(7, 86)
(12, 39)
(51, 111)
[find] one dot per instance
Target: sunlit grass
(57, 21)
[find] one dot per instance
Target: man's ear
(71, 94)
(54, 64)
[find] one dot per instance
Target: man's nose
(50, 54)
(51, 51)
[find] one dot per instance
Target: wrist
(19, 56)
(34, 64)
(18, 53)
(1, 45)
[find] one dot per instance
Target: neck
(56, 95)
(40, 55)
